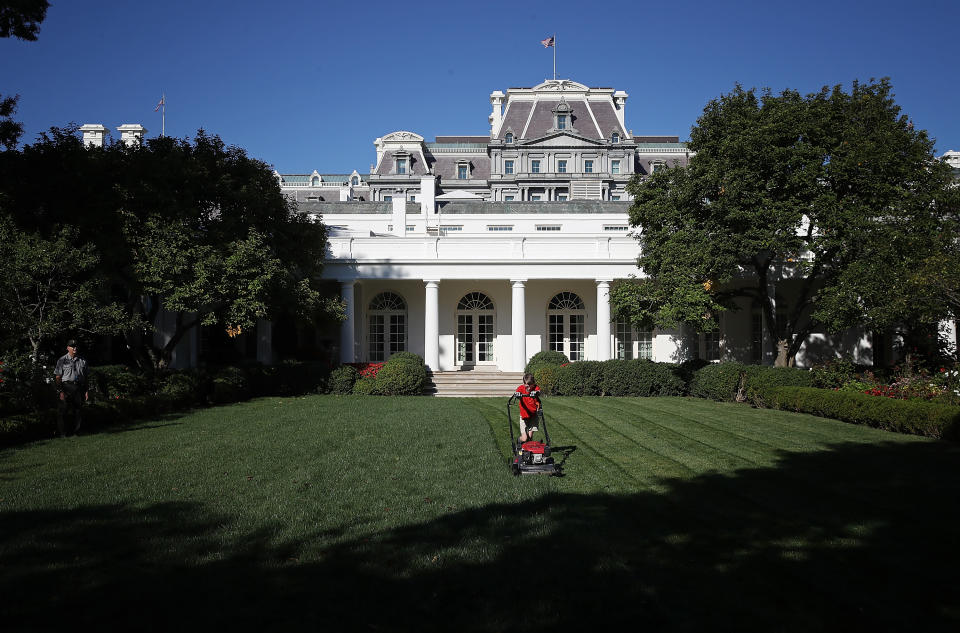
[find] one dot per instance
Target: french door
(475, 327)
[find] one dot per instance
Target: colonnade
(431, 323)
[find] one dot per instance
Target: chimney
(132, 133)
(93, 134)
(496, 118)
(620, 100)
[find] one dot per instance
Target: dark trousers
(72, 401)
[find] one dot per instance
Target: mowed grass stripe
(635, 449)
(743, 450)
(792, 431)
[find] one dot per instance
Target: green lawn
(382, 514)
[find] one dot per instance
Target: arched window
(615, 138)
(355, 181)
(508, 138)
(566, 316)
(475, 322)
(387, 317)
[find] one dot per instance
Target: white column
(431, 325)
(518, 311)
(347, 328)
(603, 319)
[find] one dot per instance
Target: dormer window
(315, 181)
(463, 171)
(355, 181)
(615, 138)
(563, 117)
(401, 165)
(508, 138)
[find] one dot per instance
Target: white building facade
(479, 251)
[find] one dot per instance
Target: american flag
(547, 43)
(163, 101)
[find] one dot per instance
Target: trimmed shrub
(401, 377)
(342, 380)
(760, 379)
(406, 356)
(641, 378)
(917, 417)
(718, 381)
(545, 374)
(546, 358)
(583, 378)
(365, 386)
(110, 381)
(184, 388)
(230, 384)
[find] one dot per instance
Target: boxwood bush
(718, 381)
(230, 384)
(401, 376)
(545, 375)
(641, 378)
(760, 379)
(342, 379)
(583, 378)
(546, 357)
(916, 417)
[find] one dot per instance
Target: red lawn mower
(531, 457)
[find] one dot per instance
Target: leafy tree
(196, 228)
(20, 19)
(50, 288)
(808, 192)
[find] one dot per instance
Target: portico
(457, 322)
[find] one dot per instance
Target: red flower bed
(367, 370)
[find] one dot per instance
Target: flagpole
(163, 115)
(554, 56)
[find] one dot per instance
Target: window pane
(615, 167)
(464, 338)
(555, 334)
(508, 167)
(376, 337)
(535, 167)
(588, 166)
(462, 172)
(484, 337)
(645, 345)
(561, 121)
(401, 166)
(507, 198)
(576, 336)
(398, 333)
(562, 166)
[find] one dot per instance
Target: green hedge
(730, 382)
(916, 417)
(583, 378)
(401, 376)
(119, 394)
(641, 378)
(342, 379)
(546, 357)
(545, 374)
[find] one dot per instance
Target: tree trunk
(784, 358)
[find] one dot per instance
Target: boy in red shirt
(529, 407)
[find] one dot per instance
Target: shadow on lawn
(858, 538)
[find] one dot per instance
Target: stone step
(472, 384)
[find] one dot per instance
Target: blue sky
(309, 85)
